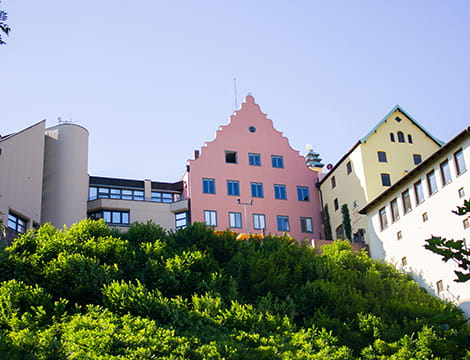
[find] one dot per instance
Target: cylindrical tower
(65, 184)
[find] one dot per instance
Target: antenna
(235, 90)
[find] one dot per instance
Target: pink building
(250, 179)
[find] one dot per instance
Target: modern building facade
(249, 180)
(418, 206)
(393, 147)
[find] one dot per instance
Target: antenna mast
(235, 89)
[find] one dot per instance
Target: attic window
(397, 119)
(231, 157)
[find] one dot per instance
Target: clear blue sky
(153, 80)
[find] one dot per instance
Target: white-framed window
(445, 172)
(210, 217)
(181, 220)
(259, 221)
(235, 220)
(383, 218)
(460, 166)
(419, 193)
(432, 183)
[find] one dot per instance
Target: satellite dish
(329, 166)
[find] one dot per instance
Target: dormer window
(392, 137)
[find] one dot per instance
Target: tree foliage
(455, 250)
(3, 26)
(89, 292)
(327, 224)
(346, 222)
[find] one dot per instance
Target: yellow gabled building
(393, 147)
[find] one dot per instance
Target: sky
(153, 80)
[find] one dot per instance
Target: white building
(418, 206)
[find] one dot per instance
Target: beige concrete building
(418, 206)
(122, 201)
(21, 178)
(393, 147)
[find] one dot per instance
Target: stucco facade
(21, 178)
(250, 162)
(393, 147)
(418, 206)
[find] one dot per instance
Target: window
(394, 210)
(303, 193)
(112, 217)
(257, 190)
(210, 217)
(466, 223)
(333, 182)
(397, 119)
(354, 204)
(399, 235)
(335, 203)
(417, 159)
(440, 286)
(401, 137)
(254, 159)
(383, 218)
(349, 167)
(405, 196)
(432, 183)
(425, 216)
(385, 179)
(459, 162)
(410, 139)
(163, 197)
(382, 156)
(282, 223)
(340, 232)
(17, 223)
(419, 194)
(208, 186)
(280, 192)
(181, 220)
(259, 221)
(95, 192)
(461, 192)
(445, 172)
(235, 220)
(231, 157)
(233, 188)
(277, 161)
(392, 137)
(306, 225)
(404, 262)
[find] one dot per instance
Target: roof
(129, 183)
(406, 177)
(5, 137)
(400, 109)
(374, 129)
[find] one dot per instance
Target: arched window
(401, 137)
(410, 139)
(340, 233)
(392, 137)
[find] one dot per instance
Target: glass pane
(116, 217)
(92, 193)
(125, 218)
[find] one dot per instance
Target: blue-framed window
(208, 186)
(280, 192)
(303, 193)
(257, 190)
(254, 159)
(283, 223)
(277, 161)
(233, 187)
